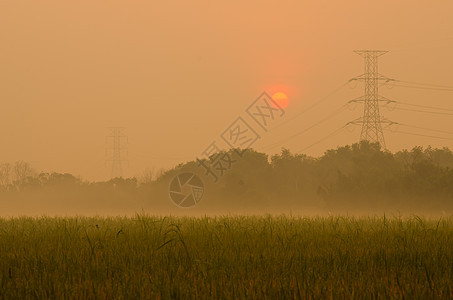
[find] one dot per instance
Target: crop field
(228, 257)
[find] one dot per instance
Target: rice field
(227, 257)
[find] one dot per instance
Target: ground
(226, 257)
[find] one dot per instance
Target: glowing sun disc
(281, 99)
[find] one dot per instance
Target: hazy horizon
(177, 74)
(260, 145)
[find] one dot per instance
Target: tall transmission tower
(371, 120)
(116, 140)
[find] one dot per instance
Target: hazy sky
(177, 73)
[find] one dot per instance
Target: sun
(281, 99)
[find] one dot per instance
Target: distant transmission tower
(116, 140)
(371, 120)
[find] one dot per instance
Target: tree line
(351, 176)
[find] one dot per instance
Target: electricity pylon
(116, 148)
(371, 120)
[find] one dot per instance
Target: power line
(420, 45)
(420, 87)
(422, 106)
(371, 121)
(418, 134)
(424, 84)
(324, 138)
(312, 106)
(425, 111)
(428, 129)
(275, 144)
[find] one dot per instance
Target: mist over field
(358, 179)
(226, 149)
(104, 103)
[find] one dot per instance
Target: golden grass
(226, 257)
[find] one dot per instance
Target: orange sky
(177, 74)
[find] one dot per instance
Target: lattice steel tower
(371, 119)
(116, 139)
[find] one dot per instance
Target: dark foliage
(358, 176)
